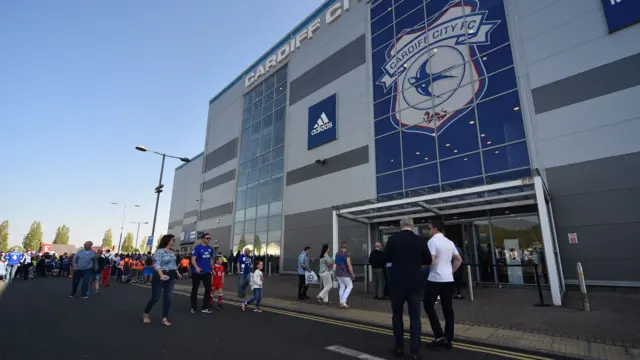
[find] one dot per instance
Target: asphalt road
(38, 320)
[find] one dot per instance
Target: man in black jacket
(407, 253)
(378, 261)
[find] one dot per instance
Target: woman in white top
(326, 274)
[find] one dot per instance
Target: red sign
(46, 248)
(573, 238)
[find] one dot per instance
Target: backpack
(106, 262)
(127, 265)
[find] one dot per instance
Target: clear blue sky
(83, 82)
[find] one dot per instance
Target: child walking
(256, 285)
(216, 282)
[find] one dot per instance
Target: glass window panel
(517, 241)
(281, 75)
(278, 127)
(265, 171)
(408, 15)
(265, 158)
(238, 228)
(418, 147)
(236, 239)
(508, 176)
(253, 163)
(388, 153)
(497, 59)
(267, 109)
(421, 176)
(389, 182)
(501, 82)
(241, 197)
(461, 167)
(280, 101)
(243, 168)
(263, 210)
(255, 139)
(277, 153)
(280, 90)
(262, 224)
(250, 214)
(260, 243)
(264, 191)
(276, 187)
(457, 85)
(246, 122)
(242, 179)
(248, 238)
(379, 59)
(253, 176)
(383, 39)
(381, 22)
(268, 97)
(458, 136)
(252, 194)
(380, 7)
(500, 120)
(275, 208)
(499, 35)
(275, 222)
(277, 166)
(258, 91)
(256, 107)
(245, 144)
(274, 236)
(504, 158)
(248, 99)
(247, 112)
(267, 134)
(269, 83)
(408, 6)
(240, 215)
(250, 226)
(384, 126)
(463, 184)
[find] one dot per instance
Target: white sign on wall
(573, 238)
(332, 14)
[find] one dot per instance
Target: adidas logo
(321, 125)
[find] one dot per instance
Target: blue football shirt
(203, 254)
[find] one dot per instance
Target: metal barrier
(536, 274)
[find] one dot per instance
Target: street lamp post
(138, 232)
(158, 189)
(124, 214)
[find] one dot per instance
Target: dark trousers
(25, 270)
(302, 286)
(195, 285)
(84, 276)
(398, 298)
(158, 288)
(445, 290)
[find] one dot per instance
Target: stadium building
(514, 121)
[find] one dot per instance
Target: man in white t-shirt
(445, 261)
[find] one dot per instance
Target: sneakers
(193, 311)
(244, 306)
(257, 310)
(207, 311)
(85, 297)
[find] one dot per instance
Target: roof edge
(190, 160)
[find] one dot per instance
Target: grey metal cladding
(189, 227)
(221, 237)
(175, 224)
(219, 180)
(314, 228)
(346, 160)
(221, 155)
(215, 211)
(333, 67)
(191, 213)
(615, 172)
(602, 80)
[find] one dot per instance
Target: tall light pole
(124, 214)
(160, 186)
(138, 232)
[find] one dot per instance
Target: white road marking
(353, 353)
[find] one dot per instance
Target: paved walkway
(38, 320)
(503, 316)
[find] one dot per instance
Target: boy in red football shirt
(217, 280)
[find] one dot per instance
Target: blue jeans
(243, 282)
(257, 297)
(85, 276)
(11, 272)
(159, 287)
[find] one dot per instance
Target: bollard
(540, 296)
(470, 281)
(583, 288)
(366, 283)
(269, 268)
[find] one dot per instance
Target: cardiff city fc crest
(435, 70)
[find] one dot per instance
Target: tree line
(33, 239)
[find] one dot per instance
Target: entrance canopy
(515, 193)
(495, 196)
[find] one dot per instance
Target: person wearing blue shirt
(243, 263)
(13, 261)
(303, 267)
(202, 261)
